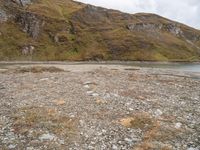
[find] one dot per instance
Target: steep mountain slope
(68, 30)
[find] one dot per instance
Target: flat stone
(158, 112)
(191, 148)
(128, 140)
(114, 147)
(11, 146)
(178, 125)
(47, 137)
(86, 86)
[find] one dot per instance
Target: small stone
(81, 122)
(95, 94)
(114, 147)
(11, 146)
(141, 98)
(130, 109)
(44, 79)
(86, 86)
(90, 92)
(59, 102)
(100, 101)
(29, 148)
(191, 148)
(158, 112)
(87, 82)
(62, 142)
(47, 137)
(128, 140)
(178, 125)
(90, 147)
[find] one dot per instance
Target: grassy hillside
(67, 30)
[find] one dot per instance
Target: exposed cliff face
(61, 30)
(23, 2)
(151, 27)
(30, 23)
(3, 16)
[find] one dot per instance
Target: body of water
(189, 67)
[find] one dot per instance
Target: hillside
(68, 30)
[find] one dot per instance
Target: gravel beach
(98, 107)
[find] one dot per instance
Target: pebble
(90, 92)
(158, 113)
(90, 147)
(87, 82)
(178, 125)
(86, 86)
(11, 146)
(114, 147)
(129, 141)
(47, 137)
(95, 94)
(191, 148)
(44, 79)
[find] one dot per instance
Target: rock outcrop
(23, 2)
(151, 27)
(30, 23)
(3, 16)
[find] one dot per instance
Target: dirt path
(98, 107)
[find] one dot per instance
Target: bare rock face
(23, 2)
(3, 16)
(144, 26)
(172, 28)
(28, 50)
(31, 24)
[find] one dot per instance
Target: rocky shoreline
(98, 107)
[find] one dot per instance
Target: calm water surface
(189, 67)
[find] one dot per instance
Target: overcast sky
(185, 11)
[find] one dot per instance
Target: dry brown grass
(153, 131)
(43, 119)
(35, 69)
(143, 121)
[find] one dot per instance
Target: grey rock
(11, 146)
(47, 137)
(90, 147)
(158, 113)
(28, 50)
(129, 141)
(172, 28)
(114, 147)
(23, 2)
(191, 148)
(3, 16)
(31, 23)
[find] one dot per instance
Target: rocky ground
(98, 107)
